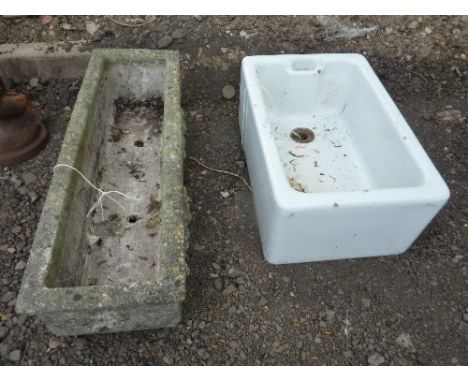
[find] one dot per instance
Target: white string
(102, 193)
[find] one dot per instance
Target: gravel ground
(403, 310)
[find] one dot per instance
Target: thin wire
(222, 172)
(102, 193)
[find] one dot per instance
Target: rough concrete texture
(56, 284)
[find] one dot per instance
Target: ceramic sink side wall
(382, 203)
(323, 234)
(257, 163)
(379, 143)
(68, 306)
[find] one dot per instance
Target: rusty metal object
(22, 136)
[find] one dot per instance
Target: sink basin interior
(331, 130)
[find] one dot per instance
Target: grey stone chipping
(228, 91)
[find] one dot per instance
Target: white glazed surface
(363, 187)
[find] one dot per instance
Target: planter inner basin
(120, 265)
(335, 169)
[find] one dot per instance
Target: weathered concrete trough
(120, 266)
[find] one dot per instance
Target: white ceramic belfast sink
(336, 171)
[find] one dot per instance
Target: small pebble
(17, 181)
(375, 359)
(229, 92)
(91, 27)
(234, 273)
(218, 284)
(229, 290)
(365, 302)
(3, 332)
(8, 296)
(3, 350)
(330, 315)
(457, 259)
(404, 341)
(178, 33)
(198, 247)
(33, 196)
(240, 164)
(53, 343)
(216, 267)
(46, 20)
(164, 42)
(23, 190)
(20, 265)
(14, 356)
(450, 115)
(34, 82)
(232, 310)
(348, 354)
(162, 27)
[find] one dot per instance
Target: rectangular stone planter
(122, 267)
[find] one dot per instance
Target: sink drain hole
(302, 135)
